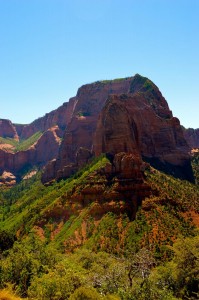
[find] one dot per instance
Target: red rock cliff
(44, 150)
(130, 123)
(192, 137)
(60, 117)
(7, 129)
(135, 119)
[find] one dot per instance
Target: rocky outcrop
(7, 129)
(118, 187)
(192, 137)
(134, 118)
(44, 150)
(7, 179)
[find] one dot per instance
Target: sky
(49, 48)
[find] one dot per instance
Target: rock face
(192, 137)
(128, 115)
(133, 124)
(8, 130)
(44, 150)
(60, 117)
(80, 130)
(116, 131)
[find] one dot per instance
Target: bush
(6, 295)
(6, 240)
(83, 293)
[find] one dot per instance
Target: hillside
(93, 211)
(99, 199)
(89, 195)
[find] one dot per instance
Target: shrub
(83, 293)
(6, 295)
(6, 240)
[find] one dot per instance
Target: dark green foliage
(25, 260)
(141, 84)
(195, 165)
(6, 240)
(41, 272)
(111, 80)
(181, 274)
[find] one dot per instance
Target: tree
(7, 240)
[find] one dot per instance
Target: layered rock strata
(59, 117)
(128, 115)
(125, 115)
(192, 137)
(8, 130)
(44, 150)
(130, 123)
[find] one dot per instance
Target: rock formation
(7, 129)
(7, 179)
(134, 118)
(192, 137)
(80, 130)
(118, 187)
(44, 150)
(60, 117)
(124, 115)
(132, 124)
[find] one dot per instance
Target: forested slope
(71, 239)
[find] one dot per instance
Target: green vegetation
(40, 272)
(22, 144)
(112, 80)
(71, 246)
(141, 84)
(25, 144)
(9, 141)
(195, 166)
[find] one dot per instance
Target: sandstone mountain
(128, 115)
(124, 115)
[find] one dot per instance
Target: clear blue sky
(49, 48)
